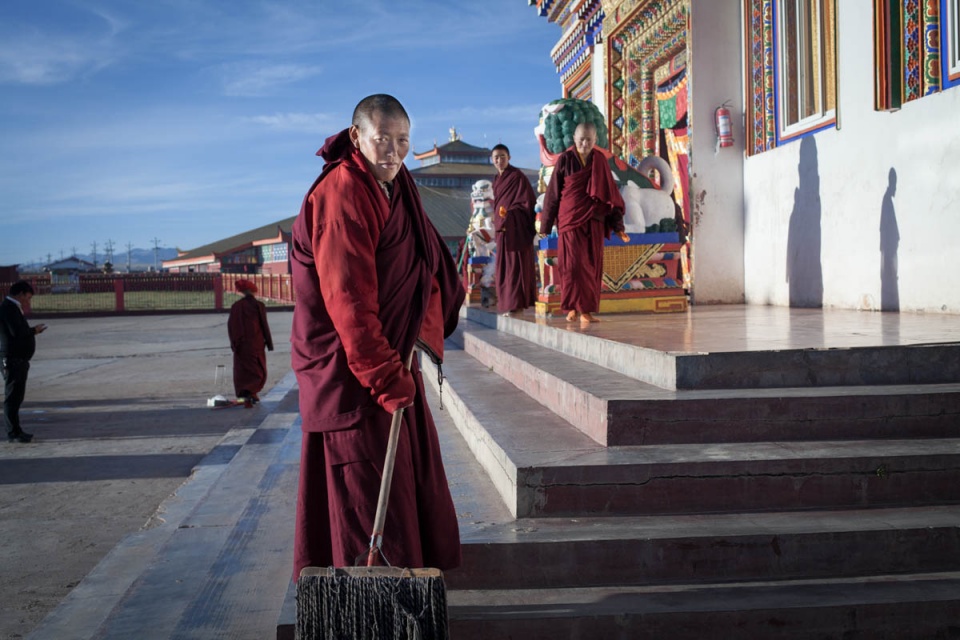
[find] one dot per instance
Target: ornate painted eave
(585, 18)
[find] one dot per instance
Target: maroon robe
(249, 335)
(586, 206)
(372, 277)
(516, 279)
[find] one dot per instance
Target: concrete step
(559, 553)
(617, 343)
(616, 409)
(900, 607)
(217, 562)
(542, 466)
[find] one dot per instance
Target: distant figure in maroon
(249, 335)
(372, 278)
(513, 201)
(583, 200)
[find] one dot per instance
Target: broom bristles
(371, 603)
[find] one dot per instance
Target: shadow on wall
(889, 248)
(804, 270)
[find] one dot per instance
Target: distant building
(444, 178)
(65, 274)
(265, 249)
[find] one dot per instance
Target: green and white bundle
(559, 119)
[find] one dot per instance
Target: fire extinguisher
(724, 126)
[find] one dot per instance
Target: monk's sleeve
(551, 201)
(235, 327)
(267, 337)
(525, 198)
(345, 243)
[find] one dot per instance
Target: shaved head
(585, 138)
(385, 105)
(587, 127)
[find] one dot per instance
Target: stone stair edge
(945, 585)
(560, 444)
(693, 370)
(638, 390)
(592, 529)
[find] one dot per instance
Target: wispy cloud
(32, 59)
(246, 79)
(300, 122)
(58, 53)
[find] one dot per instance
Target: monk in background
(513, 200)
(249, 336)
(372, 278)
(582, 199)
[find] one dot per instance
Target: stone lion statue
(480, 232)
(646, 208)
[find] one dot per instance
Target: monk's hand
(502, 211)
(536, 225)
(624, 236)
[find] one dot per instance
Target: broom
(372, 602)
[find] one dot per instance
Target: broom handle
(376, 538)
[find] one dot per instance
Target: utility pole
(94, 253)
(73, 251)
(129, 249)
(108, 249)
(61, 254)
(49, 258)
(156, 254)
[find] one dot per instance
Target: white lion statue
(646, 207)
(480, 232)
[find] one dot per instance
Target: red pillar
(218, 292)
(118, 291)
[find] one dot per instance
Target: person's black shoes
(23, 436)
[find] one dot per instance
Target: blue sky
(190, 120)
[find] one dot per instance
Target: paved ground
(118, 410)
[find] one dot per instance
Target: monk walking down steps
(583, 201)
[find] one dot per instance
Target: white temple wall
(716, 177)
(598, 78)
(920, 144)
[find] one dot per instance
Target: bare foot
(572, 316)
(587, 318)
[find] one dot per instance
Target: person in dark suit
(17, 344)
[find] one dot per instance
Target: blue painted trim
(945, 82)
(550, 242)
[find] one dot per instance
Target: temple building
(805, 138)
(445, 177)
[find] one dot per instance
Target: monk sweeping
(249, 334)
(513, 200)
(372, 279)
(583, 200)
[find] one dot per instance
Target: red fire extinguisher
(724, 126)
